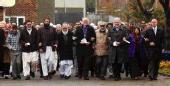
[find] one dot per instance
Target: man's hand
(152, 44)
(116, 43)
(40, 44)
(163, 50)
(27, 44)
(92, 38)
(146, 39)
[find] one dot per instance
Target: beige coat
(101, 47)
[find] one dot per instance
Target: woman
(136, 52)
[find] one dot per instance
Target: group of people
(109, 46)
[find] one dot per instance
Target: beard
(46, 25)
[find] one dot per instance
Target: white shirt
(29, 31)
(155, 30)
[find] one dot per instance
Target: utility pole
(65, 8)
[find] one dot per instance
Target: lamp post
(65, 8)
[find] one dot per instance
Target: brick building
(34, 10)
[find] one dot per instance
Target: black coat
(117, 52)
(26, 38)
(158, 39)
(65, 47)
(2, 37)
(82, 49)
(48, 37)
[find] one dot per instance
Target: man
(2, 43)
(101, 50)
(14, 46)
(85, 37)
(28, 41)
(154, 37)
(47, 43)
(65, 50)
(116, 45)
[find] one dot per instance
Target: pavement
(74, 81)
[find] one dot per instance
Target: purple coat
(132, 47)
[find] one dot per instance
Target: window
(19, 20)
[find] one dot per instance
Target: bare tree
(146, 10)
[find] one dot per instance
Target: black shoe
(53, 72)
(18, 77)
(27, 78)
(117, 79)
(45, 77)
(155, 79)
(111, 77)
(32, 74)
(62, 76)
(50, 76)
(102, 78)
(79, 76)
(14, 78)
(150, 78)
(145, 75)
(67, 77)
(86, 78)
(127, 74)
(76, 75)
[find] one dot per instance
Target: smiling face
(29, 25)
(117, 22)
(154, 22)
(64, 27)
(85, 21)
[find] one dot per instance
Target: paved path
(162, 81)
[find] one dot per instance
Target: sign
(7, 3)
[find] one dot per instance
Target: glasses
(29, 24)
(102, 25)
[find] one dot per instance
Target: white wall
(70, 3)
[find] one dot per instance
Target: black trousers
(6, 67)
(101, 65)
(1, 58)
(154, 61)
(83, 66)
(116, 68)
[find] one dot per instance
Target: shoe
(117, 79)
(45, 77)
(32, 74)
(150, 78)
(18, 77)
(86, 78)
(76, 75)
(50, 76)
(79, 76)
(53, 72)
(14, 78)
(155, 79)
(6, 77)
(67, 77)
(102, 78)
(62, 76)
(145, 75)
(27, 78)
(111, 77)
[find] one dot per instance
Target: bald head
(116, 22)
(154, 22)
(85, 21)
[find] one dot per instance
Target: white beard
(65, 32)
